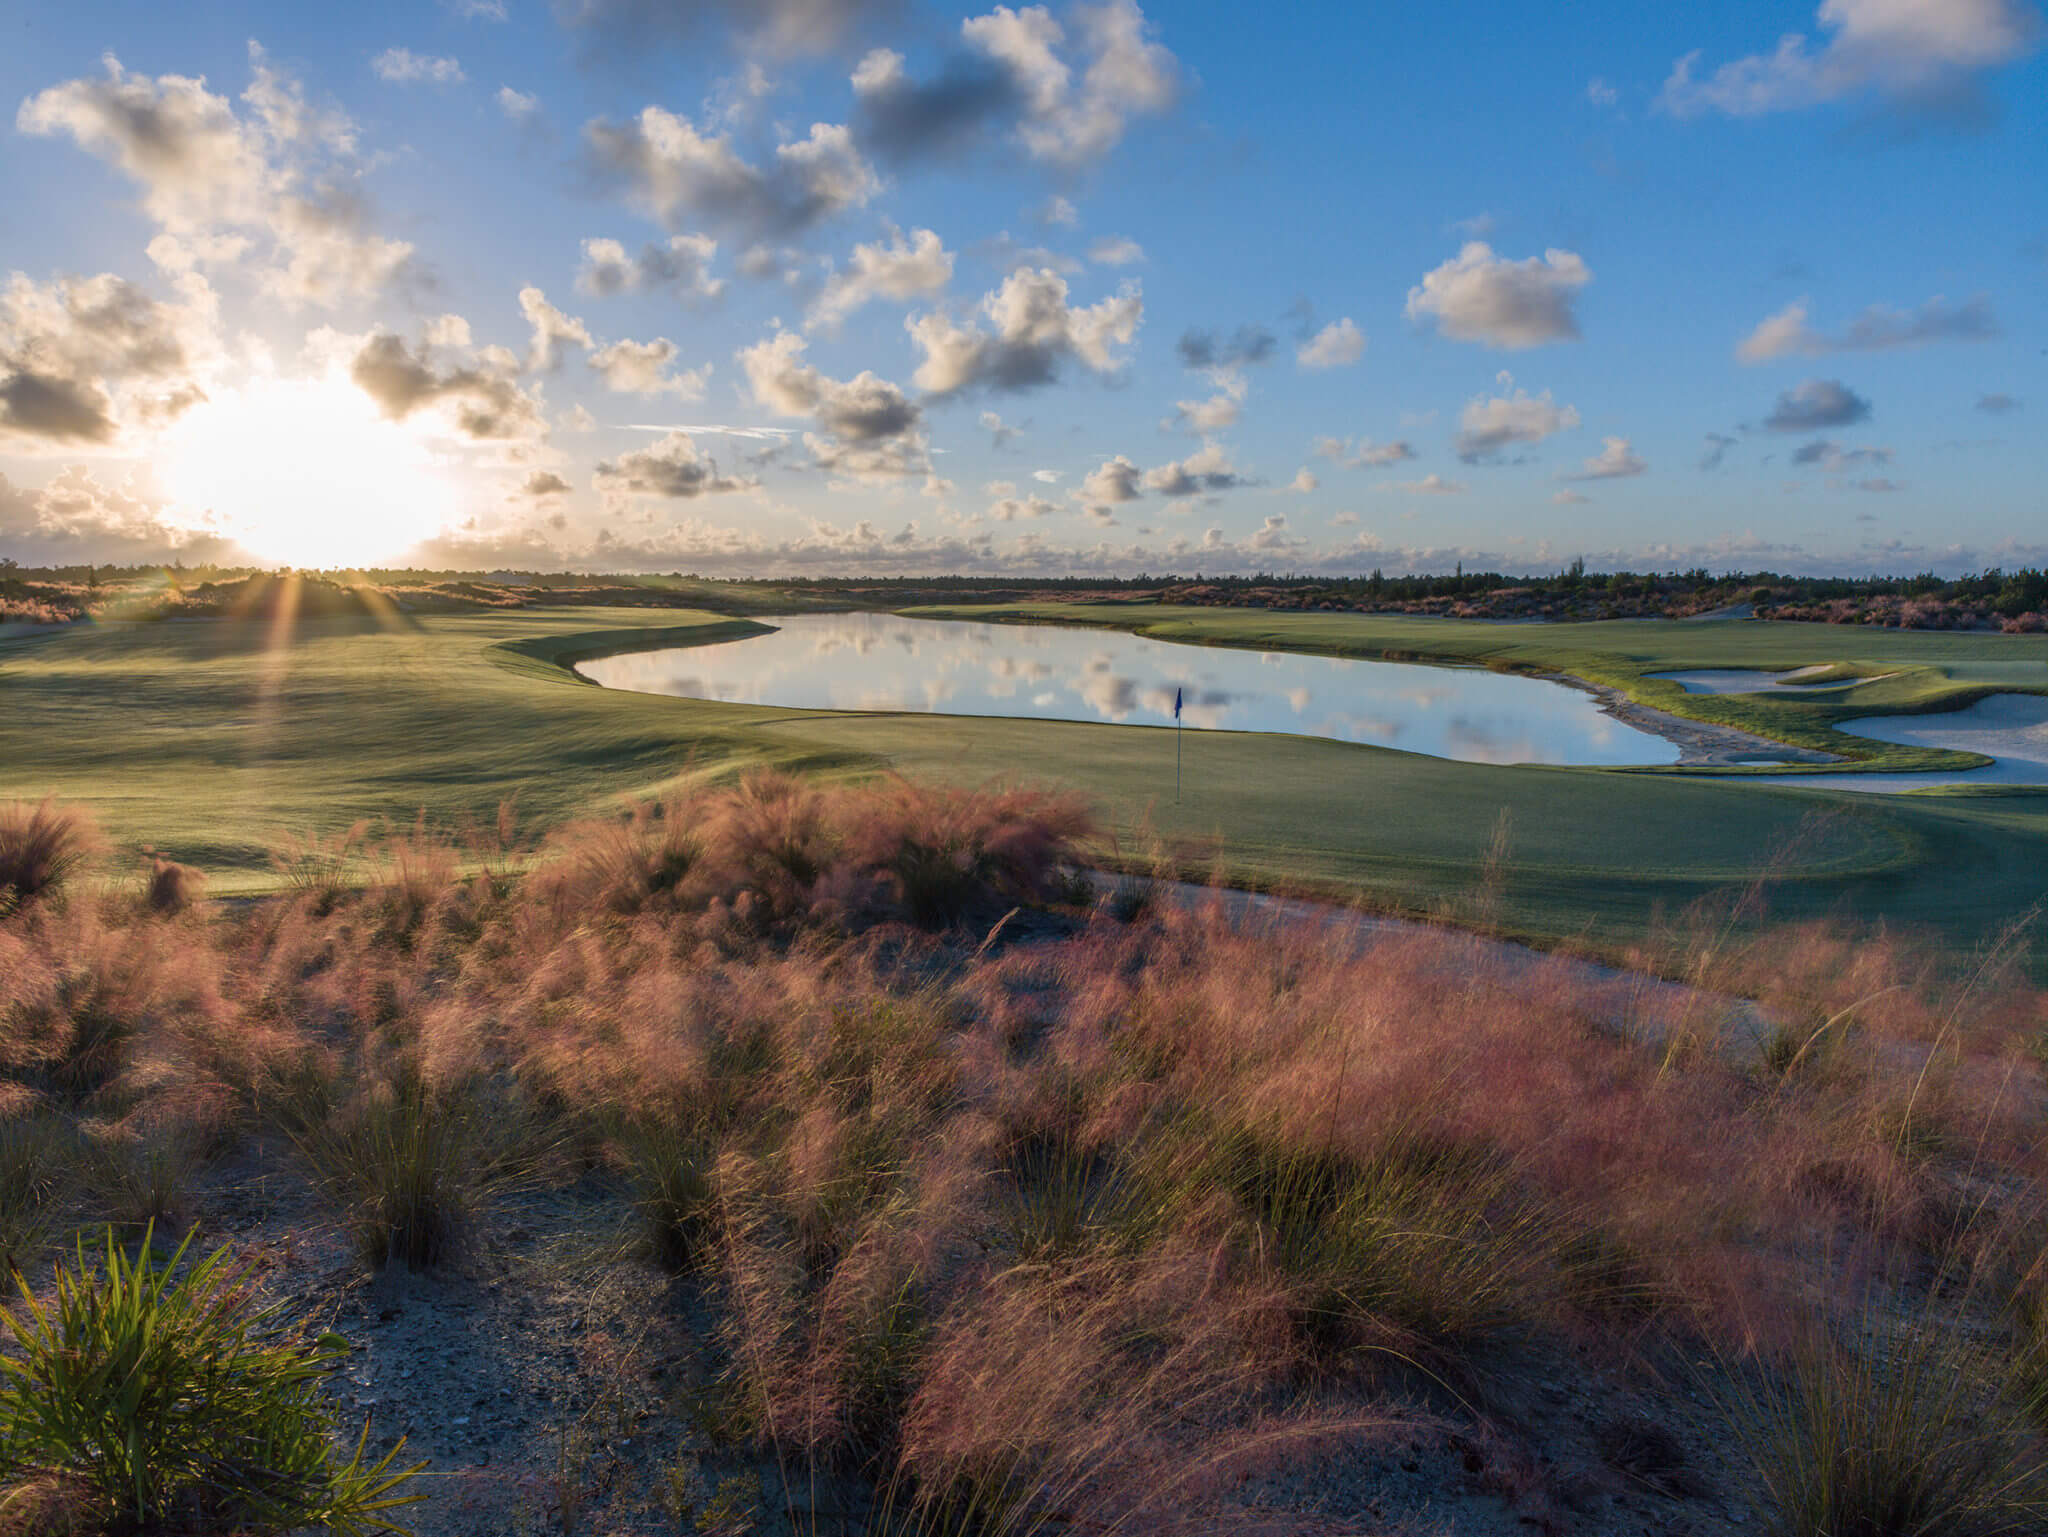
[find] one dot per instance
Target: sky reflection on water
(881, 662)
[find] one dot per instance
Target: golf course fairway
(210, 740)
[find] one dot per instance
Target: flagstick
(1176, 757)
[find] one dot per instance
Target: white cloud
(1010, 509)
(402, 66)
(1116, 251)
(642, 368)
(1112, 482)
(517, 105)
(1480, 297)
(1304, 481)
(1207, 469)
(670, 468)
(478, 10)
(869, 428)
(1615, 461)
(482, 400)
(85, 360)
(75, 518)
(1927, 53)
(1337, 345)
(1125, 75)
(1600, 93)
(1000, 432)
(1878, 328)
(1363, 453)
(286, 171)
(682, 264)
(672, 169)
(1431, 484)
(1035, 331)
(919, 269)
(551, 328)
(1219, 411)
(1569, 498)
(1489, 424)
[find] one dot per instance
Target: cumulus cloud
(642, 368)
(633, 28)
(1927, 54)
(1480, 297)
(917, 269)
(1615, 461)
(1490, 424)
(401, 66)
(1569, 498)
(519, 106)
(1067, 99)
(868, 427)
(1363, 453)
(216, 182)
(669, 468)
(1831, 456)
(673, 171)
(1304, 481)
(1718, 444)
(1338, 345)
(1219, 411)
(1431, 484)
(1878, 328)
(1207, 469)
(1116, 251)
(551, 329)
(1205, 349)
(1010, 509)
(1035, 331)
(680, 265)
(485, 402)
(82, 358)
(544, 483)
(1111, 483)
(1817, 404)
(76, 519)
(1000, 433)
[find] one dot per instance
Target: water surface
(954, 667)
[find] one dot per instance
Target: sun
(305, 473)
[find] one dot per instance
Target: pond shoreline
(1700, 744)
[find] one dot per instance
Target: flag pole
(1176, 746)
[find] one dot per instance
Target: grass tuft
(167, 1397)
(40, 846)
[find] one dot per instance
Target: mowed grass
(1905, 672)
(208, 741)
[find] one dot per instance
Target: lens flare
(305, 473)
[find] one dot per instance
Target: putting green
(209, 739)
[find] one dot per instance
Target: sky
(765, 287)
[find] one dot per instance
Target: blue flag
(1176, 704)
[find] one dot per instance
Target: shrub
(172, 887)
(40, 846)
(177, 1401)
(37, 1156)
(669, 1166)
(1867, 1436)
(412, 1169)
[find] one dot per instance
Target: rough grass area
(718, 1164)
(211, 741)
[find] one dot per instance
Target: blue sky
(864, 286)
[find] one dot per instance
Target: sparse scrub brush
(414, 1169)
(172, 887)
(1890, 1427)
(167, 1397)
(40, 847)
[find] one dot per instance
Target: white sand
(1733, 680)
(2009, 728)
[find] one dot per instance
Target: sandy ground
(1700, 744)
(558, 1382)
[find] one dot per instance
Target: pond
(884, 662)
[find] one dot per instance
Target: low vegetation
(996, 1205)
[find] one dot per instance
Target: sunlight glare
(306, 473)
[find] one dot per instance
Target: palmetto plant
(170, 1397)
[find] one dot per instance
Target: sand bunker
(2009, 728)
(1735, 680)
